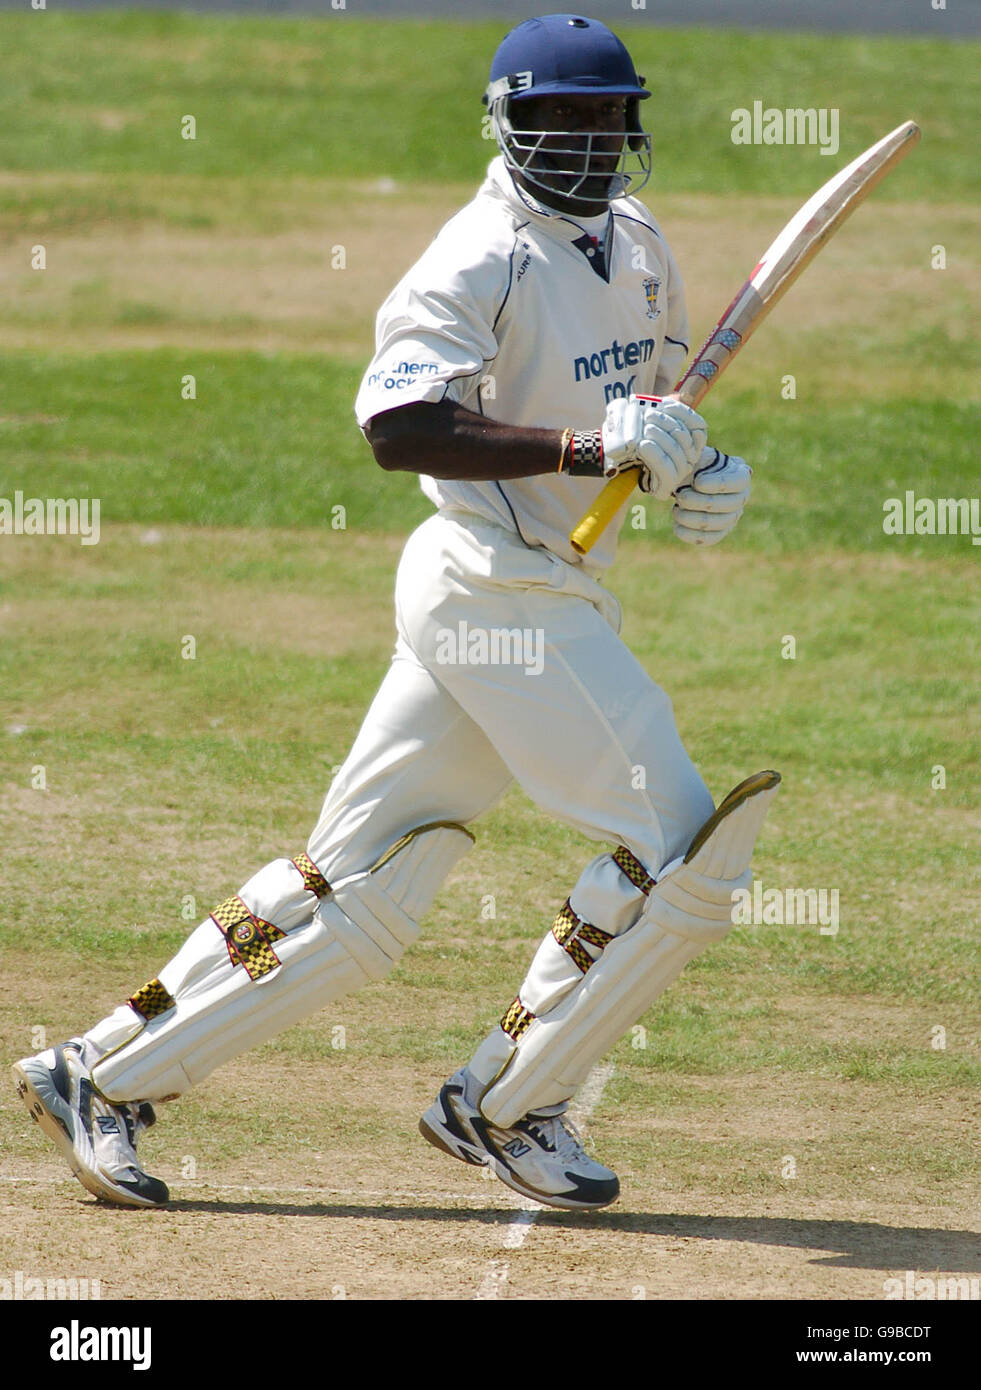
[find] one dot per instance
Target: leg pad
(268, 958)
(689, 907)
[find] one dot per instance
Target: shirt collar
(500, 183)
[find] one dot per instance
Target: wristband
(582, 454)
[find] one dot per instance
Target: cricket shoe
(96, 1139)
(540, 1156)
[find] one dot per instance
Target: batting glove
(709, 509)
(664, 438)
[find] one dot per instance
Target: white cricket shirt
(515, 314)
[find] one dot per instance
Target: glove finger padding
(666, 466)
(690, 499)
(721, 473)
(682, 423)
(698, 528)
(709, 509)
(702, 528)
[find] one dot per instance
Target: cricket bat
(775, 272)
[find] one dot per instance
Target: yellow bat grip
(603, 510)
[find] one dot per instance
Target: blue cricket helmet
(563, 53)
(567, 54)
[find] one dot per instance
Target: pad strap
(631, 866)
(570, 930)
(313, 879)
(151, 1000)
(516, 1020)
(248, 938)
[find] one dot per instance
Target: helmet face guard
(566, 55)
(591, 167)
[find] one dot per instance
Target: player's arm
(444, 440)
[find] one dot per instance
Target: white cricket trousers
(577, 722)
(508, 665)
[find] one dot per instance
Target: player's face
(563, 158)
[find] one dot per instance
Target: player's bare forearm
(445, 441)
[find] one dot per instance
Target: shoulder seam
(627, 218)
(462, 376)
(507, 292)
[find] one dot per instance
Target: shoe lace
(136, 1116)
(558, 1133)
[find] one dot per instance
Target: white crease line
(493, 1281)
(514, 1236)
(496, 1276)
(589, 1096)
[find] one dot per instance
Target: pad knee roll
(286, 946)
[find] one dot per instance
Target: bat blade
(781, 263)
(789, 255)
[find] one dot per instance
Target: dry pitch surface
(311, 1182)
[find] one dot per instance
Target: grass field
(170, 780)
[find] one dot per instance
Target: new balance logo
(108, 1124)
(517, 1148)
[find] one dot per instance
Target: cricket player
(506, 373)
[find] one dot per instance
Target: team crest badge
(651, 287)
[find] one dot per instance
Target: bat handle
(595, 521)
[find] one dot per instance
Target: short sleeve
(434, 335)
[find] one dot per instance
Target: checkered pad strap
(633, 869)
(151, 1000)
(248, 938)
(570, 930)
(313, 879)
(516, 1020)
